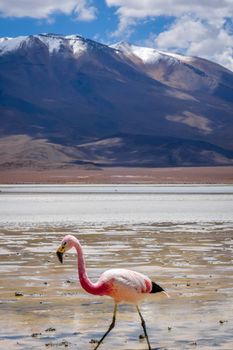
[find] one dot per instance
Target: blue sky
(193, 27)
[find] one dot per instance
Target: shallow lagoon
(67, 205)
(181, 236)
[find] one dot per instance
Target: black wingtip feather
(156, 288)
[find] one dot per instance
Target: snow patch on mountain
(77, 45)
(74, 44)
(11, 44)
(150, 55)
(55, 43)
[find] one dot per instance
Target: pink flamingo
(121, 284)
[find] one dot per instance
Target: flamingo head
(66, 244)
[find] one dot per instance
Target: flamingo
(121, 284)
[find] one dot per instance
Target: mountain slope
(72, 92)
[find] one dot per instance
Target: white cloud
(85, 11)
(147, 8)
(198, 38)
(82, 9)
(181, 34)
(199, 28)
(125, 27)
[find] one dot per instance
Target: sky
(201, 28)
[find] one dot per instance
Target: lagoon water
(180, 236)
(29, 205)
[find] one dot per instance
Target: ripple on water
(195, 267)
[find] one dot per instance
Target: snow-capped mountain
(111, 105)
(55, 44)
(186, 72)
(149, 55)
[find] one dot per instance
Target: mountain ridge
(70, 91)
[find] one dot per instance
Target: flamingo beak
(60, 253)
(60, 256)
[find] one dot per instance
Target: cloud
(85, 11)
(176, 35)
(125, 27)
(201, 28)
(82, 9)
(198, 38)
(147, 8)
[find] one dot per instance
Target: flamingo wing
(126, 285)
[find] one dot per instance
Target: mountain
(66, 100)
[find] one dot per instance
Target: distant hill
(66, 100)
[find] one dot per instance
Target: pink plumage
(125, 285)
(122, 285)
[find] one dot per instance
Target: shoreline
(119, 175)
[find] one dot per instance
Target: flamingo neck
(85, 282)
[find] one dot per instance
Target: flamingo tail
(158, 289)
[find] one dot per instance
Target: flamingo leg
(110, 327)
(144, 328)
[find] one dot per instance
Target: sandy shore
(205, 175)
(42, 305)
